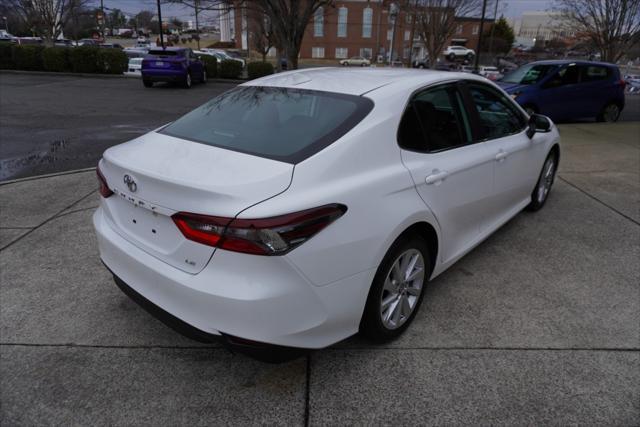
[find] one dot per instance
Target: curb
(101, 76)
(49, 175)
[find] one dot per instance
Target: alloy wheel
(402, 289)
(611, 113)
(546, 180)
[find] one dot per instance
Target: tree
(143, 19)
(47, 18)
(613, 26)
(500, 37)
(116, 19)
(177, 22)
(289, 20)
(436, 22)
(261, 34)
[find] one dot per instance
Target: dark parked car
(176, 65)
(565, 90)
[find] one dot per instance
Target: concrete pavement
(539, 324)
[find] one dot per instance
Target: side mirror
(538, 123)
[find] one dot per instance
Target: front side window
(529, 74)
(498, 117)
(566, 76)
(318, 23)
(276, 123)
(342, 22)
(367, 22)
(434, 121)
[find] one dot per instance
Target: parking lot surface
(56, 123)
(540, 324)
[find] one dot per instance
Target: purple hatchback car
(171, 64)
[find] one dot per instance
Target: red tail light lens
(104, 189)
(267, 236)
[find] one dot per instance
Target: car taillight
(267, 236)
(104, 189)
(622, 83)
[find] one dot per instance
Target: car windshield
(529, 74)
(277, 123)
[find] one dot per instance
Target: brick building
(374, 29)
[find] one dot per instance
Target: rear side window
(593, 73)
(283, 124)
(434, 121)
(498, 117)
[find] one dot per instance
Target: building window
(318, 23)
(342, 52)
(366, 52)
(407, 35)
(317, 52)
(367, 22)
(408, 19)
(406, 52)
(342, 22)
(476, 29)
(459, 29)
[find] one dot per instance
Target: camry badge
(131, 183)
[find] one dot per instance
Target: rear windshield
(165, 52)
(283, 124)
(529, 74)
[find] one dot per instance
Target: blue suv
(178, 65)
(566, 90)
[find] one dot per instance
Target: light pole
(484, 9)
(160, 25)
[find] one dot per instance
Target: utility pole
(484, 9)
(195, 6)
(160, 24)
(493, 27)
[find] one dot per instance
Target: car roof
(572, 61)
(356, 81)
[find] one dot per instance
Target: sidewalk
(540, 324)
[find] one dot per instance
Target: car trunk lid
(157, 175)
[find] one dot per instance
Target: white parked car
(300, 208)
(492, 73)
(357, 61)
(221, 55)
(458, 52)
(135, 67)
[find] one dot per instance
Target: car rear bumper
(164, 75)
(264, 300)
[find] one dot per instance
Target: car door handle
(436, 176)
(501, 155)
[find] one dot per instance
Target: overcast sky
(510, 8)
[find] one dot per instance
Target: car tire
(187, 83)
(610, 113)
(203, 80)
(363, 65)
(545, 182)
(147, 83)
(451, 57)
(421, 66)
(392, 303)
(469, 56)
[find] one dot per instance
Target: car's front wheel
(545, 181)
(610, 113)
(469, 56)
(397, 289)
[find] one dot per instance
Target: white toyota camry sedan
(304, 207)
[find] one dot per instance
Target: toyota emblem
(131, 183)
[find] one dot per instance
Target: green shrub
(259, 69)
(112, 61)
(28, 57)
(210, 64)
(56, 59)
(6, 56)
(230, 69)
(85, 59)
